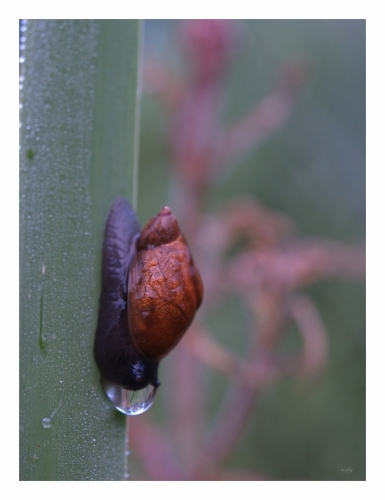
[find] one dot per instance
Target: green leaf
(78, 139)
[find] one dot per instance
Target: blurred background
(312, 168)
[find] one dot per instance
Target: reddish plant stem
(154, 449)
(186, 410)
(227, 430)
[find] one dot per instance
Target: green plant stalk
(77, 153)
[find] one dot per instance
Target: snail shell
(164, 287)
(116, 354)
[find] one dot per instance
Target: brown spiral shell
(164, 287)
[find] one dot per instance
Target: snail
(151, 290)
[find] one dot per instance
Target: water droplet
(130, 402)
(46, 422)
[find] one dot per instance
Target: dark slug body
(116, 355)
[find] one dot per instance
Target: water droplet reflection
(130, 402)
(46, 422)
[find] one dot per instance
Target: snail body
(115, 353)
(151, 290)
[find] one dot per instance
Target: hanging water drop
(130, 402)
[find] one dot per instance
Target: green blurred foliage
(313, 169)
